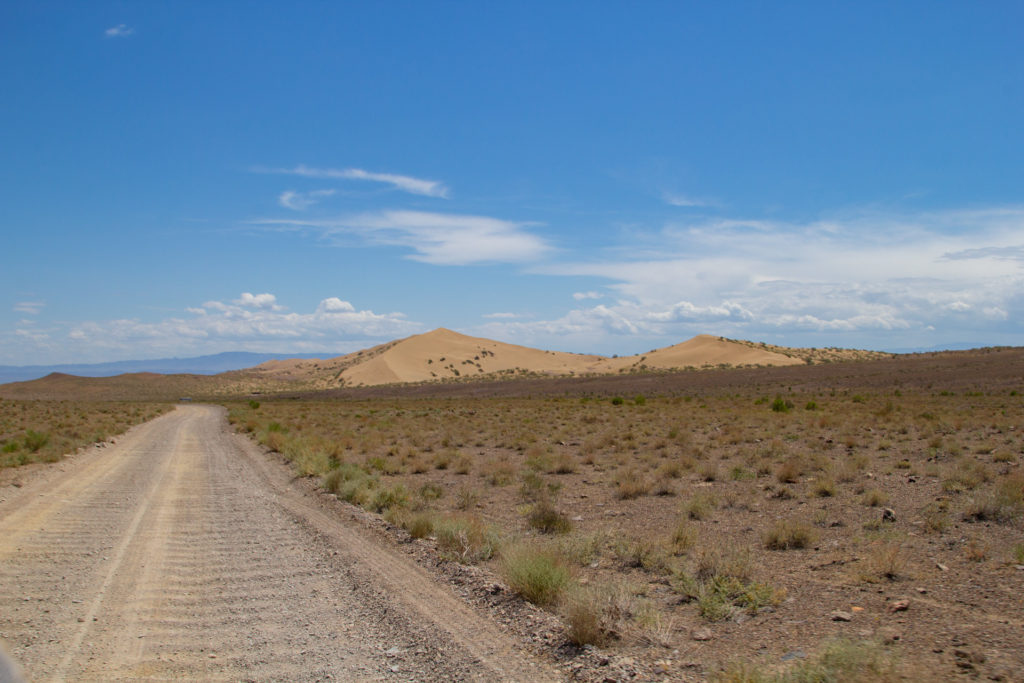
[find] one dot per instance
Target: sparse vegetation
(44, 431)
(713, 492)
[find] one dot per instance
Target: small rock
(942, 567)
(578, 518)
(794, 654)
(701, 634)
(888, 515)
(899, 605)
(839, 615)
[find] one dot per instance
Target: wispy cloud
(418, 186)
(582, 296)
(119, 31)
(1007, 253)
(30, 307)
(436, 238)
(501, 316)
(300, 201)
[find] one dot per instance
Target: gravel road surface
(182, 552)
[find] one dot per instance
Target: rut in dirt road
(181, 553)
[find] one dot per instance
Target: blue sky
(186, 178)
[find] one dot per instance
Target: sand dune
(702, 351)
(440, 355)
(444, 355)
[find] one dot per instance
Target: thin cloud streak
(417, 186)
(30, 307)
(300, 201)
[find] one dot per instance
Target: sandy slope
(444, 354)
(182, 553)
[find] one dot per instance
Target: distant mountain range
(198, 365)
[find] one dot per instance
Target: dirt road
(181, 552)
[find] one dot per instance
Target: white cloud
(251, 322)
(335, 305)
(264, 301)
(870, 276)
(436, 238)
(419, 186)
(501, 316)
(300, 201)
(580, 296)
(30, 307)
(119, 31)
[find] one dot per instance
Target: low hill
(440, 355)
(194, 365)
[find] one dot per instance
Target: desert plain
(752, 513)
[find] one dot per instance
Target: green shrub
(839, 661)
(420, 525)
(788, 534)
(539, 575)
(35, 440)
(465, 539)
(545, 518)
(386, 498)
(583, 609)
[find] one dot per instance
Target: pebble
(701, 634)
(899, 605)
(839, 615)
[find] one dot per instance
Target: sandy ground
(181, 552)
